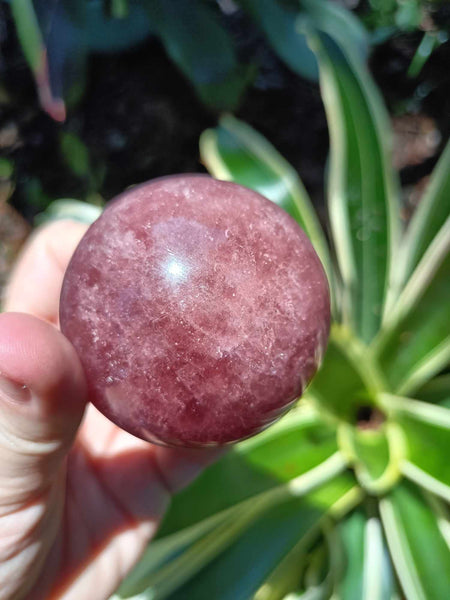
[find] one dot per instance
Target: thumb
(42, 399)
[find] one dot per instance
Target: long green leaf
(287, 575)
(162, 577)
(427, 431)
(31, 40)
(236, 152)
(430, 216)
(418, 550)
(300, 569)
(362, 199)
(351, 531)
(339, 23)
(414, 344)
(160, 552)
(176, 563)
(29, 33)
(368, 574)
(442, 512)
(254, 556)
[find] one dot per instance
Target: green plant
(57, 38)
(390, 18)
(348, 495)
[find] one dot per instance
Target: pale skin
(79, 498)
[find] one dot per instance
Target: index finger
(36, 280)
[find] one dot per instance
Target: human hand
(78, 503)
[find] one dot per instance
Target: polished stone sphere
(199, 310)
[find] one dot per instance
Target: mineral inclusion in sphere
(199, 310)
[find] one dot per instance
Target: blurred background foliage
(123, 88)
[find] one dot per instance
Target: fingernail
(11, 390)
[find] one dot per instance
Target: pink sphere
(199, 310)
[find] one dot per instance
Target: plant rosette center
(375, 454)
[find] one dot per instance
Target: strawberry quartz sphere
(199, 310)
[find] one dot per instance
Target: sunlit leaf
(428, 219)
(362, 191)
(419, 552)
(414, 344)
